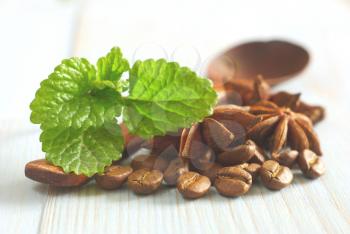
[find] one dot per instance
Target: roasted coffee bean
(286, 158)
(149, 162)
(193, 185)
(155, 163)
(233, 181)
(44, 172)
(235, 114)
(242, 165)
(216, 135)
(168, 144)
(191, 142)
(183, 147)
(145, 181)
(211, 172)
(204, 161)
(160, 163)
(252, 168)
(274, 176)
(311, 165)
(237, 155)
(174, 170)
(138, 162)
(113, 177)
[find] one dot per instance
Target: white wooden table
(35, 35)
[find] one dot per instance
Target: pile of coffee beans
(147, 173)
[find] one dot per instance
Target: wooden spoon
(275, 60)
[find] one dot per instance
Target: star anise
(292, 101)
(247, 92)
(282, 127)
(244, 92)
(261, 91)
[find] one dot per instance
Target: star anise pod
(292, 101)
(247, 92)
(261, 91)
(244, 92)
(282, 127)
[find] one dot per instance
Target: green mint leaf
(112, 66)
(71, 98)
(164, 97)
(83, 151)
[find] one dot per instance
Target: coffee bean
(233, 181)
(237, 155)
(191, 142)
(168, 144)
(145, 181)
(183, 146)
(286, 158)
(242, 165)
(113, 177)
(311, 165)
(155, 163)
(211, 172)
(174, 170)
(44, 172)
(193, 185)
(150, 162)
(274, 176)
(252, 168)
(160, 163)
(138, 162)
(204, 161)
(216, 135)
(236, 128)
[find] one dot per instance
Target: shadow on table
(26, 191)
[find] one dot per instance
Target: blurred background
(36, 35)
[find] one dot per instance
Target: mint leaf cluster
(77, 106)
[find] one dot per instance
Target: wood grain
(63, 28)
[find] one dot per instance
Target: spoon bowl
(275, 60)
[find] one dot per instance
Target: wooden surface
(36, 35)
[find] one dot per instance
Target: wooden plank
(34, 38)
(21, 202)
